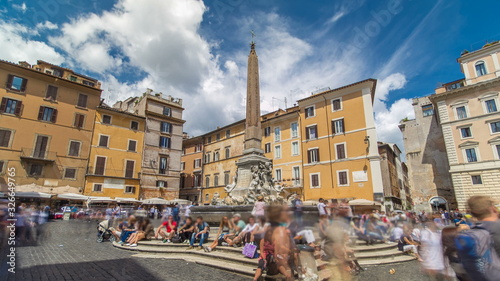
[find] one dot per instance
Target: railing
(38, 154)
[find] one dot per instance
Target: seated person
(301, 234)
(186, 230)
(406, 244)
(130, 228)
(201, 233)
(259, 233)
(225, 228)
(358, 228)
(167, 229)
(246, 235)
(239, 225)
(117, 231)
(145, 231)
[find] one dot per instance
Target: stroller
(103, 231)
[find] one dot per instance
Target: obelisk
(253, 131)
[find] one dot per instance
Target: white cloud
(17, 45)
(46, 25)
(23, 8)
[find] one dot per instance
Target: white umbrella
(181, 201)
(97, 199)
(33, 195)
(124, 200)
(72, 196)
(155, 201)
(363, 202)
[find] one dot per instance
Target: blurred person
(431, 252)
(321, 207)
(276, 246)
(263, 227)
(323, 226)
(259, 207)
(170, 227)
(186, 230)
(459, 219)
(336, 252)
(129, 229)
(239, 224)
(453, 264)
(175, 213)
(372, 231)
(407, 244)
(297, 207)
(201, 233)
(484, 210)
(144, 232)
(246, 234)
(396, 232)
(226, 230)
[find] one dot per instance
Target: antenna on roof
(280, 100)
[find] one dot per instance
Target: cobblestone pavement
(70, 252)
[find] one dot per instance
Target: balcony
(291, 183)
(30, 154)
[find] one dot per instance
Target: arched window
(207, 197)
(228, 152)
(481, 68)
(207, 181)
(216, 180)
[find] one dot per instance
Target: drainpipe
(299, 125)
(329, 140)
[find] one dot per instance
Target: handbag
(250, 250)
(177, 239)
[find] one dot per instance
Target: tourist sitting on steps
(186, 230)
(145, 231)
(201, 233)
(131, 228)
(167, 229)
(239, 225)
(226, 230)
(247, 233)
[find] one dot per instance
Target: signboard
(359, 176)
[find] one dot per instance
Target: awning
(33, 195)
(363, 202)
(181, 201)
(126, 200)
(72, 196)
(96, 199)
(155, 201)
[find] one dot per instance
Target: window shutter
(100, 165)
(129, 173)
(170, 128)
(81, 119)
(10, 78)
(19, 105)
(54, 116)
(3, 104)
(333, 127)
(343, 125)
(40, 112)
(4, 138)
(309, 156)
(317, 155)
(23, 85)
(307, 133)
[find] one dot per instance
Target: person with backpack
(477, 247)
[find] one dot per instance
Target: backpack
(176, 239)
(475, 250)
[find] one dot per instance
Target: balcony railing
(34, 154)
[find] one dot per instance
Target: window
(336, 104)
(471, 155)
(209, 139)
(313, 155)
(466, 132)
(88, 83)
(74, 148)
(129, 168)
(226, 179)
(228, 134)
(163, 165)
(103, 141)
(197, 180)
(73, 78)
(294, 130)
(216, 180)
(315, 181)
(16, 83)
(217, 137)
(495, 127)
(295, 148)
(51, 93)
(11, 106)
(197, 163)
(207, 182)
(481, 68)
(5, 137)
(207, 197)
(106, 119)
(161, 183)
(476, 179)
(498, 150)
(166, 127)
(340, 149)
(267, 131)
(338, 126)
(277, 152)
(296, 175)
(428, 110)
(167, 111)
(491, 106)
(207, 157)
(164, 142)
(216, 155)
(312, 132)
(70, 173)
(277, 133)
(183, 165)
(132, 144)
(48, 114)
(309, 111)
(461, 112)
(129, 189)
(343, 178)
(278, 174)
(100, 165)
(228, 152)
(41, 144)
(197, 148)
(79, 120)
(35, 170)
(267, 148)
(82, 100)
(134, 125)
(97, 187)
(2, 165)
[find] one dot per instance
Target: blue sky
(197, 50)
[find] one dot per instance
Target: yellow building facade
(46, 122)
(339, 144)
(116, 154)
